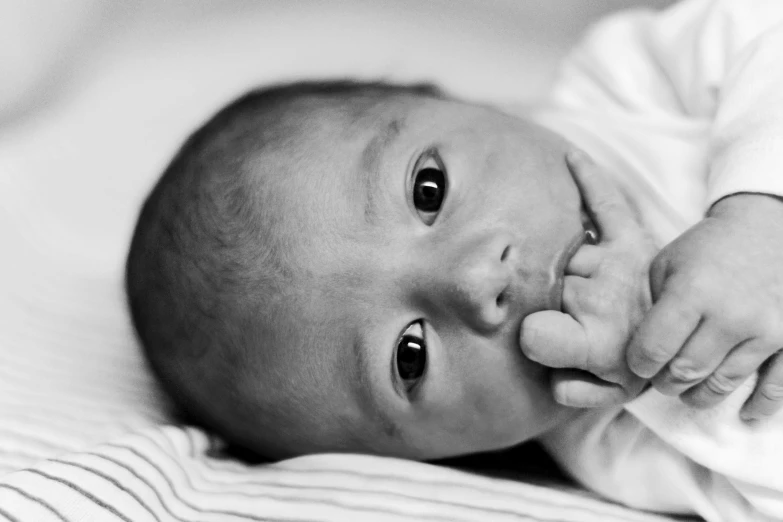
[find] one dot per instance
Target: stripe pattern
(171, 473)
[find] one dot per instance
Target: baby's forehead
(403, 111)
(360, 135)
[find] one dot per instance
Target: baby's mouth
(557, 275)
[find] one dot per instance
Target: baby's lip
(557, 275)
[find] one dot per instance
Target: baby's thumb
(580, 389)
(554, 339)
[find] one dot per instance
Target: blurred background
(97, 95)
(47, 46)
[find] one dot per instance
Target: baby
(367, 267)
(350, 264)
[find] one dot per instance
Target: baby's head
(345, 267)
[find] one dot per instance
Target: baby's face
(427, 230)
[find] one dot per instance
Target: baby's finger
(702, 353)
(579, 389)
(661, 334)
(767, 397)
(728, 376)
(585, 262)
(603, 200)
(554, 339)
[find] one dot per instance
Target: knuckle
(656, 353)
(720, 384)
(686, 371)
(771, 391)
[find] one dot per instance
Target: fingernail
(749, 419)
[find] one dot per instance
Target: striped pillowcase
(176, 473)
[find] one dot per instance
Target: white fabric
(750, 458)
(684, 107)
(85, 434)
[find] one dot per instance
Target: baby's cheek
(499, 414)
(490, 396)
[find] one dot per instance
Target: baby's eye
(429, 188)
(412, 355)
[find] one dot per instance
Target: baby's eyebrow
(370, 162)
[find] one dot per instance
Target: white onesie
(683, 107)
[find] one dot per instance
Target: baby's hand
(605, 296)
(718, 313)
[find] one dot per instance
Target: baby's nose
(478, 287)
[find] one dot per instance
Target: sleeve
(715, 61)
(748, 457)
(614, 454)
(611, 453)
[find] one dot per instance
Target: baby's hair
(205, 254)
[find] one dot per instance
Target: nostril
(505, 254)
(500, 300)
